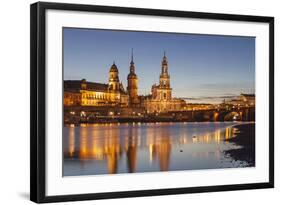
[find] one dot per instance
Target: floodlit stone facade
(161, 99)
(96, 94)
(113, 94)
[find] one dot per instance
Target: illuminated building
(132, 88)
(96, 94)
(71, 98)
(112, 94)
(198, 106)
(161, 99)
(243, 100)
(248, 99)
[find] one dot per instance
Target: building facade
(243, 100)
(96, 94)
(113, 94)
(161, 99)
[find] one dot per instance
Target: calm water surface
(146, 147)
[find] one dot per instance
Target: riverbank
(245, 138)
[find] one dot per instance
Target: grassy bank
(245, 137)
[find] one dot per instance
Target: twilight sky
(203, 68)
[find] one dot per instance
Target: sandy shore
(245, 137)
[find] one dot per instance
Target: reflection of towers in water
(112, 150)
(83, 144)
(71, 141)
(92, 146)
(163, 152)
(131, 144)
(159, 143)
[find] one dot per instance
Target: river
(91, 149)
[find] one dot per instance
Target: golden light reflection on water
(216, 137)
(71, 141)
(109, 143)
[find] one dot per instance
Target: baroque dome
(113, 68)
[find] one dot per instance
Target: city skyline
(169, 81)
(203, 68)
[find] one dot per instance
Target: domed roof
(113, 68)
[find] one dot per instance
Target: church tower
(164, 81)
(164, 76)
(113, 81)
(132, 84)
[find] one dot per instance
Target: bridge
(79, 114)
(221, 114)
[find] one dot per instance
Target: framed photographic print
(129, 102)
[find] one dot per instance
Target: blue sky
(203, 68)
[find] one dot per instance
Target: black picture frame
(38, 97)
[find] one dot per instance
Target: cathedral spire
(164, 64)
(132, 80)
(132, 66)
(164, 57)
(132, 56)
